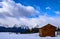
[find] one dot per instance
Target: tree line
(23, 29)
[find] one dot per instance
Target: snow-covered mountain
(20, 25)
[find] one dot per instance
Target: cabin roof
(48, 25)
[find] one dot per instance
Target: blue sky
(30, 12)
(42, 4)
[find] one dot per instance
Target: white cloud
(48, 8)
(12, 9)
(57, 12)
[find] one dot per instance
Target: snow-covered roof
(42, 25)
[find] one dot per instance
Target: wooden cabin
(47, 30)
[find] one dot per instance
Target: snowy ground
(24, 36)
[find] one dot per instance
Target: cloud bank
(15, 13)
(12, 9)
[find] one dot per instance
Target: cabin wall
(47, 32)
